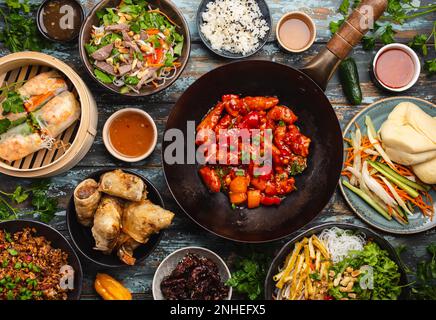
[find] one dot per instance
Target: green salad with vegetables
(134, 46)
(377, 275)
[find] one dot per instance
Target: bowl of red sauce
(130, 135)
(396, 67)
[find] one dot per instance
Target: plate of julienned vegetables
(389, 171)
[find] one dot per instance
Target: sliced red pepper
(152, 32)
(228, 97)
(270, 201)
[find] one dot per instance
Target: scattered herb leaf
(250, 276)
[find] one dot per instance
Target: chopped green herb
(240, 172)
(12, 252)
(19, 31)
(13, 103)
(430, 66)
(43, 205)
(4, 125)
(249, 276)
(315, 276)
(8, 236)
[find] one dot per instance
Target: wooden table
(183, 231)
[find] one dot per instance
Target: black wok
(300, 90)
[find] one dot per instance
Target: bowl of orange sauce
(130, 135)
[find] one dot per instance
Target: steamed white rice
(234, 25)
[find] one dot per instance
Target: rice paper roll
(143, 219)
(41, 88)
(123, 185)
(126, 246)
(107, 224)
(86, 200)
(58, 114)
(21, 141)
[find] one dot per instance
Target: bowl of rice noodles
(335, 261)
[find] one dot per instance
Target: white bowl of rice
(234, 28)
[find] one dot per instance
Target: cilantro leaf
(368, 42)
(387, 36)
(430, 66)
(13, 103)
(19, 31)
(43, 205)
(19, 195)
(335, 25)
(419, 43)
(4, 125)
(5, 211)
(343, 8)
(250, 275)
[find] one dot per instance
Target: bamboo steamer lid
(76, 140)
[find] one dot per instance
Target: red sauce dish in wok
(301, 91)
(261, 171)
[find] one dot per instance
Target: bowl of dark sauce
(60, 20)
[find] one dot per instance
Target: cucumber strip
(367, 199)
(399, 216)
(403, 179)
(412, 192)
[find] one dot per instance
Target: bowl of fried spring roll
(116, 217)
(48, 117)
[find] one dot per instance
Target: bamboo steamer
(76, 140)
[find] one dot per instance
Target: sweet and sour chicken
(246, 173)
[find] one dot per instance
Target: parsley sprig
(424, 286)
(250, 275)
(42, 204)
(19, 32)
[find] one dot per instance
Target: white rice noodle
(340, 242)
(47, 141)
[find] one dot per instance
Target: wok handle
(323, 65)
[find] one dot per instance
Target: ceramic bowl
(108, 143)
(171, 261)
